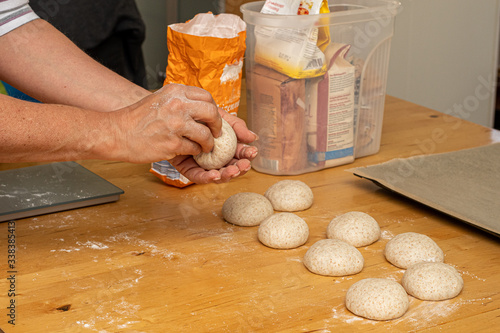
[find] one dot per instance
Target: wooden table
(162, 259)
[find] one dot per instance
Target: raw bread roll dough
(379, 299)
(410, 248)
(283, 231)
(290, 195)
(432, 281)
(223, 151)
(246, 209)
(356, 228)
(333, 257)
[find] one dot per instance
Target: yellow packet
(297, 53)
(324, 32)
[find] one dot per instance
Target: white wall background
(444, 56)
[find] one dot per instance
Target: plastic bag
(297, 53)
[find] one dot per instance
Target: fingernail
(256, 136)
(217, 175)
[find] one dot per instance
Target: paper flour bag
(207, 52)
(330, 111)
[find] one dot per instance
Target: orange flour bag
(205, 52)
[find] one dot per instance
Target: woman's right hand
(175, 120)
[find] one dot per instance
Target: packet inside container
(278, 116)
(330, 111)
(205, 52)
(297, 53)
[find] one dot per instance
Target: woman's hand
(238, 166)
(176, 120)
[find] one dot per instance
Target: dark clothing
(110, 31)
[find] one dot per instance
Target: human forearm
(42, 62)
(177, 120)
(174, 123)
(43, 132)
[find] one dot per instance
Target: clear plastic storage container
(316, 84)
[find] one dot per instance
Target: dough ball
(410, 248)
(223, 151)
(333, 257)
(246, 209)
(432, 281)
(356, 228)
(379, 299)
(290, 195)
(283, 231)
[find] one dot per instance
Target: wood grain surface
(162, 259)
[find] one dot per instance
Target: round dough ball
(290, 195)
(410, 248)
(379, 299)
(246, 209)
(432, 281)
(333, 257)
(283, 231)
(223, 151)
(356, 228)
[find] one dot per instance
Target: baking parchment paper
(464, 184)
